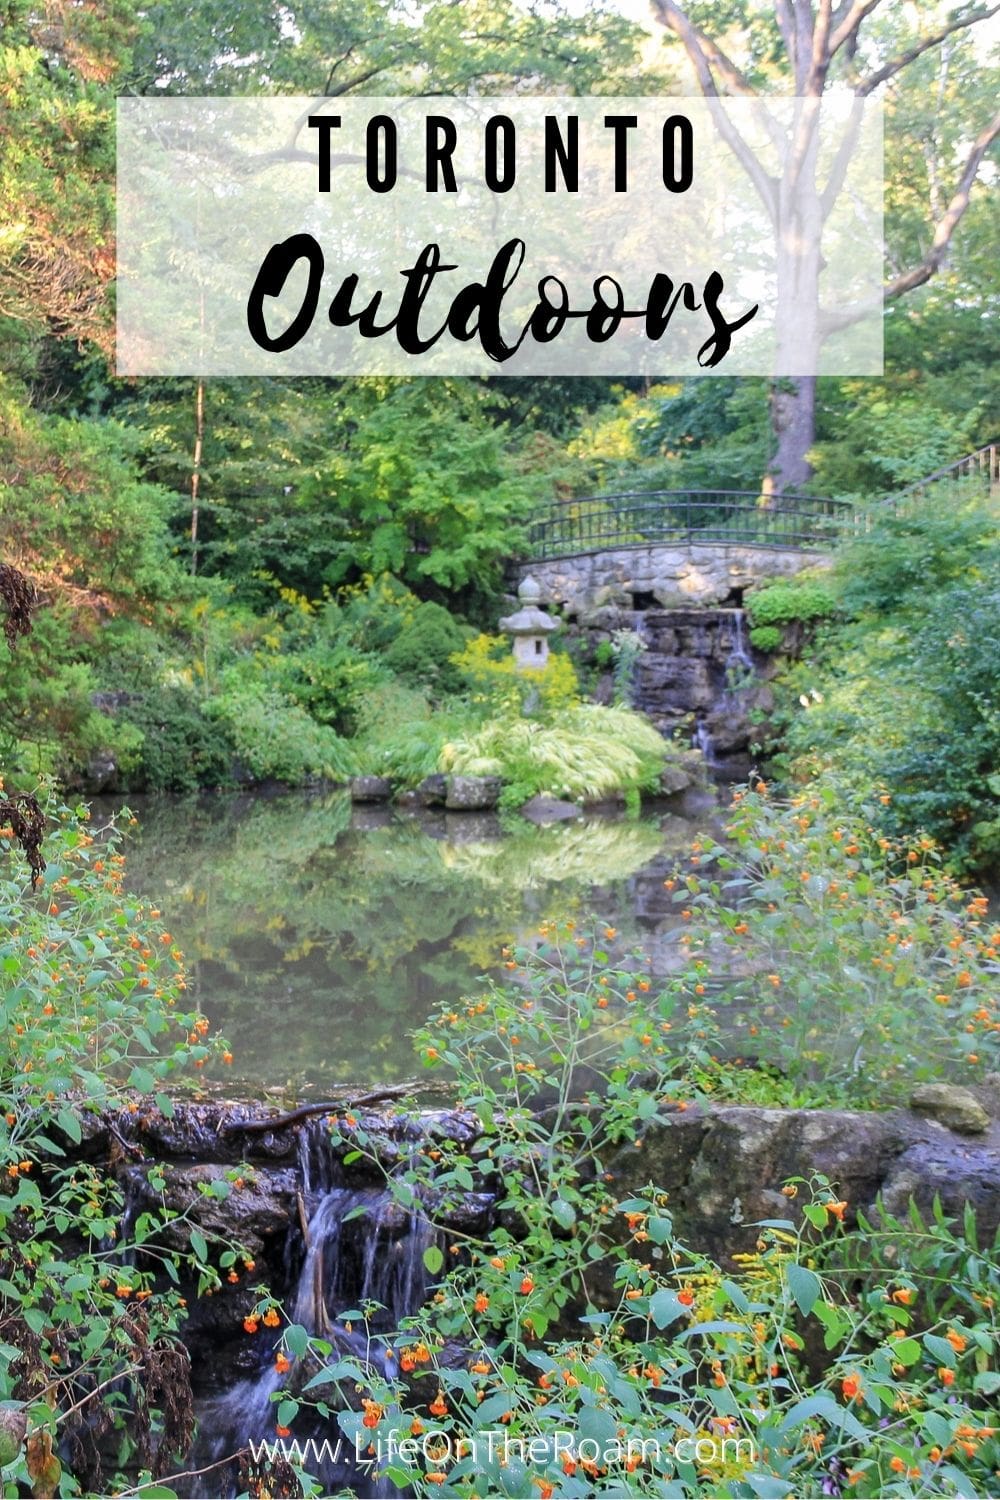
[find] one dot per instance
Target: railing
(981, 467)
(741, 517)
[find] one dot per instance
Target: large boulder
(370, 789)
(472, 793)
(724, 1168)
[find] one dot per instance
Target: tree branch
(847, 22)
(947, 224)
(676, 20)
(896, 64)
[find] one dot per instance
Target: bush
(487, 666)
(93, 996)
(425, 649)
(766, 637)
(276, 740)
(792, 599)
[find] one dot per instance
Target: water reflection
(319, 935)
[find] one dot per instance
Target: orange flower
(283, 1431)
(250, 1325)
(438, 1407)
(956, 1340)
(946, 1376)
(481, 1303)
(686, 1297)
(271, 1318)
(904, 1295)
(851, 1387)
(527, 1286)
(282, 1363)
(436, 1478)
(897, 1464)
(837, 1209)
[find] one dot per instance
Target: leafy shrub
(766, 637)
(182, 749)
(487, 666)
(790, 599)
(92, 991)
(425, 649)
(276, 740)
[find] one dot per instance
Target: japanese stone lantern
(530, 627)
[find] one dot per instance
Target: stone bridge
(663, 576)
(673, 549)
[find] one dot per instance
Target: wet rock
(262, 1206)
(472, 793)
(102, 772)
(951, 1106)
(545, 810)
(680, 773)
(370, 789)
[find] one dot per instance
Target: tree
(807, 49)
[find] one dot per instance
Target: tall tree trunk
(793, 425)
(199, 440)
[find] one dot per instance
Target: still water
(320, 935)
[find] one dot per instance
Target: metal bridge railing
(979, 471)
(741, 517)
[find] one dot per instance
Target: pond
(319, 934)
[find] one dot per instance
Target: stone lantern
(531, 627)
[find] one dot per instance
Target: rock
(680, 774)
(102, 772)
(545, 810)
(370, 789)
(251, 1215)
(951, 1106)
(433, 790)
(472, 793)
(723, 1168)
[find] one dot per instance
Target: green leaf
(564, 1213)
(433, 1259)
(664, 1307)
(805, 1286)
(906, 1352)
(940, 1350)
(288, 1410)
(199, 1245)
(297, 1339)
(70, 1125)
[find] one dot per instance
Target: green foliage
(870, 1348)
(905, 694)
(275, 740)
(93, 997)
(796, 599)
(582, 754)
(766, 637)
(424, 650)
(850, 961)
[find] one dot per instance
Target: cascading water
(698, 667)
(739, 658)
(360, 1249)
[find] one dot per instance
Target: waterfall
(739, 657)
(359, 1247)
(702, 740)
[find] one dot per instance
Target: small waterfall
(702, 740)
(360, 1247)
(739, 658)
